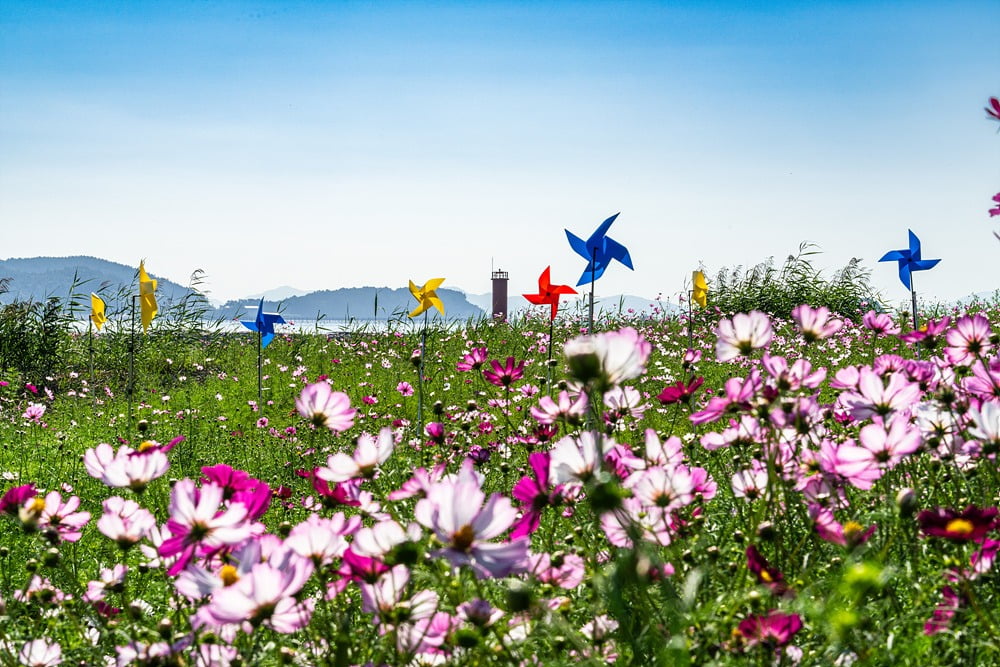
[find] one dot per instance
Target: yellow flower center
(37, 505)
(852, 529)
(765, 576)
(146, 445)
(228, 575)
(463, 538)
(960, 526)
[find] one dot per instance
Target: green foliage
(777, 291)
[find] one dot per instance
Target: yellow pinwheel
(699, 288)
(426, 296)
(97, 311)
(147, 297)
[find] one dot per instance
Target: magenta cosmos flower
(197, 521)
(324, 407)
(472, 361)
(972, 523)
(535, 494)
(506, 375)
(742, 335)
(774, 630)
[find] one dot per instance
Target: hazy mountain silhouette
(39, 278)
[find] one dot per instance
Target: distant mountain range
(39, 278)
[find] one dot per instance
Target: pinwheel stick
(131, 363)
(548, 366)
(90, 348)
(420, 377)
(690, 319)
(593, 279)
(913, 300)
(260, 366)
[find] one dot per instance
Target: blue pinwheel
(264, 324)
(598, 250)
(909, 260)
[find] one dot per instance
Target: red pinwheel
(549, 293)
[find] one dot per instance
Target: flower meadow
(734, 489)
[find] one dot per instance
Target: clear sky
(340, 144)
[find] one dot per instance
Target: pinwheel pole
(260, 366)
(420, 375)
(593, 279)
(690, 319)
(131, 362)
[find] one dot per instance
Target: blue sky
(326, 145)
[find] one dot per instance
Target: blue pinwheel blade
(578, 245)
(594, 275)
(904, 274)
(600, 232)
(923, 264)
(615, 250)
(895, 255)
(252, 326)
(266, 339)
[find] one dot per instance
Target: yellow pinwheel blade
(699, 291)
(97, 311)
(147, 297)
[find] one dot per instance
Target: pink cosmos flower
(608, 358)
(563, 570)
(197, 521)
(889, 446)
(40, 653)
(567, 408)
(667, 488)
(127, 467)
(384, 537)
(405, 388)
(34, 412)
(944, 612)
(63, 517)
(266, 596)
(815, 323)
(577, 459)
(850, 534)
(874, 396)
(110, 579)
(324, 407)
(384, 598)
(927, 335)
(738, 396)
(368, 456)
(743, 334)
(624, 402)
(750, 483)
(472, 361)
(454, 510)
(996, 209)
(322, 540)
(855, 465)
(985, 424)
(880, 323)
(506, 375)
(124, 521)
(968, 340)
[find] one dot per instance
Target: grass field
(757, 490)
